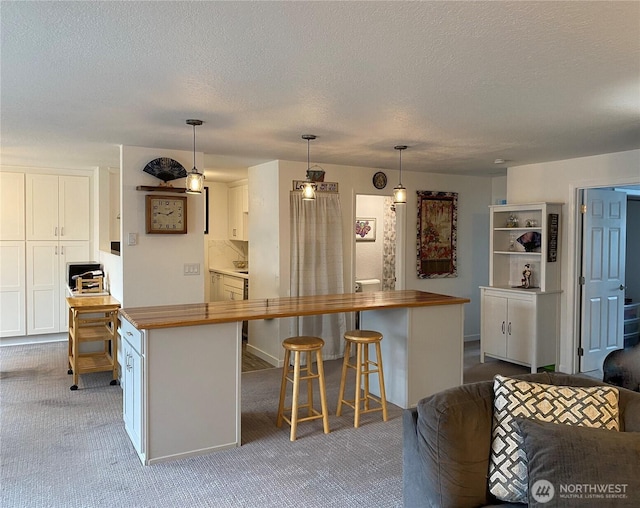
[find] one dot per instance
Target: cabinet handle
(62, 231)
(129, 333)
(56, 251)
(62, 250)
(503, 328)
(55, 231)
(509, 328)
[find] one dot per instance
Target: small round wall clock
(379, 180)
(166, 214)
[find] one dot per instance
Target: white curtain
(316, 264)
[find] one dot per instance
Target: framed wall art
(365, 230)
(437, 234)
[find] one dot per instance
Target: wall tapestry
(437, 234)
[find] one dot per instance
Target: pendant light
(309, 188)
(399, 192)
(195, 180)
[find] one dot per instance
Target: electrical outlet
(192, 269)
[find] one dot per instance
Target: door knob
(621, 288)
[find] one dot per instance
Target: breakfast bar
(182, 363)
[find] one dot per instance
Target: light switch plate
(132, 239)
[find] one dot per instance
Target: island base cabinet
(132, 341)
(520, 326)
(132, 394)
(181, 390)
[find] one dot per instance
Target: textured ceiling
(461, 83)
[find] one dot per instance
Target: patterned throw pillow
(595, 406)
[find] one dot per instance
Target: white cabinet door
(132, 394)
(238, 203)
(43, 287)
(74, 207)
(12, 206)
(42, 207)
(57, 207)
(217, 287)
(494, 325)
(521, 319)
(69, 252)
(12, 289)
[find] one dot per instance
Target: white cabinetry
(168, 413)
(216, 291)
(132, 382)
(12, 206)
(521, 325)
(12, 255)
(12, 289)
(534, 241)
(57, 207)
(233, 288)
(238, 200)
(46, 283)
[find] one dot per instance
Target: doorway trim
(574, 259)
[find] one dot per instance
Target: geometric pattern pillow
(595, 406)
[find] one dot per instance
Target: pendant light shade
(399, 192)
(309, 188)
(195, 180)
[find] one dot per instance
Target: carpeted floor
(60, 448)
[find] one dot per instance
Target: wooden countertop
(171, 316)
(81, 302)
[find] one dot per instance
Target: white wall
(474, 198)
(558, 182)
(368, 255)
(632, 281)
(153, 270)
(268, 256)
(269, 235)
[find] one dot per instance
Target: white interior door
(603, 270)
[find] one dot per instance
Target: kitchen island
(182, 363)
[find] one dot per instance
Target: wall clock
(166, 214)
(379, 180)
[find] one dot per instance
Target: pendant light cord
(194, 146)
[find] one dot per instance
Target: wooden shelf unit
(161, 188)
(93, 319)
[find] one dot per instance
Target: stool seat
(363, 336)
(364, 367)
(297, 346)
(303, 343)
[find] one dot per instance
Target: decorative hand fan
(165, 169)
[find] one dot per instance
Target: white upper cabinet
(12, 206)
(239, 212)
(57, 207)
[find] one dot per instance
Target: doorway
(375, 243)
(607, 278)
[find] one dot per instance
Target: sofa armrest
(414, 487)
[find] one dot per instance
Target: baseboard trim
(33, 339)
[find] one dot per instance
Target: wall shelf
(160, 188)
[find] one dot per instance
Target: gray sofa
(447, 440)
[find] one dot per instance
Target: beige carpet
(69, 449)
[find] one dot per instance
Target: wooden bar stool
(363, 367)
(299, 345)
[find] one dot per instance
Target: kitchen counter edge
(175, 316)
